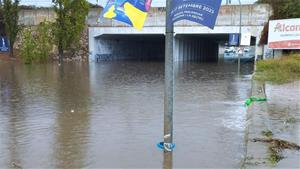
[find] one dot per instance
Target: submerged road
(110, 115)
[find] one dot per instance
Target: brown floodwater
(110, 115)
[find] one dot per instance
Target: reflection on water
(110, 115)
(73, 118)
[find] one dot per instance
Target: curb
(257, 121)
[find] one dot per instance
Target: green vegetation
(282, 9)
(274, 155)
(44, 41)
(2, 25)
(267, 133)
(70, 23)
(291, 120)
(37, 44)
(275, 148)
(285, 69)
(10, 11)
(28, 47)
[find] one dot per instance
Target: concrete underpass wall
(129, 49)
(254, 18)
(195, 49)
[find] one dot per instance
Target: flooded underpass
(110, 115)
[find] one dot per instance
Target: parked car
(247, 49)
(230, 50)
(232, 54)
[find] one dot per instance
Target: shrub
(43, 41)
(27, 51)
(37, 44)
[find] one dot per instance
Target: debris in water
(276, 146)
(274, 155)
(267, 133)
(278, 143)
(16, 166)
(252, 99)
(290, 120)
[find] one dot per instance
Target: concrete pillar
(180, 50)
(176, 49)
(188, 50)
(184, 50)
(91, 46)
(201, 51)
(191, 50)
(198, 50)
(195, 50)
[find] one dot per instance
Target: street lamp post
(169, 78)
(168, 91)
(240, 35)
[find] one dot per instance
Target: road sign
(245, 39)
(233, 39)
(4, 47)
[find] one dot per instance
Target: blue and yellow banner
(132, 12)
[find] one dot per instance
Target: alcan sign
(286, 28)
(284, 34)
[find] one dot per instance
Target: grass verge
(283, 70)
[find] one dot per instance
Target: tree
(70, 23)
(2, 32)
(10, 12)
(282, 9)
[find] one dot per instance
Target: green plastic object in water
(248, 102)
(252, 99)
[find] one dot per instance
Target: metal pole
(240, 35)
(169, 79)
(168, 160)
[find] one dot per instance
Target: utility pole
(169, 79)
(240, 38)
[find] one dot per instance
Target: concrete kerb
(256, 154)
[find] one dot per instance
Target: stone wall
(34, 16)
(83, 52)
(78, 54)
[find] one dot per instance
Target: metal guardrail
(104, 57)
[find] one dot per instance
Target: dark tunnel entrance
(198, 47)
(131, 47)
(151, 47)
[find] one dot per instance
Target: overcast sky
(155, 3)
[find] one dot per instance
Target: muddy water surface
(110, 115)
